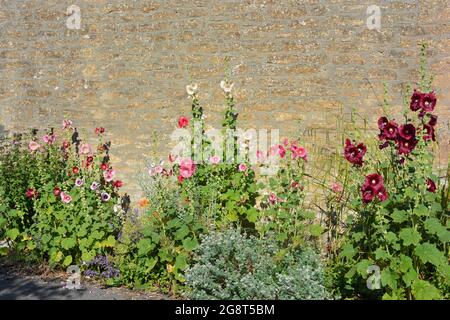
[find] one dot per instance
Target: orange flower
(143, 202)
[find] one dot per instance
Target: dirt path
(19, 283)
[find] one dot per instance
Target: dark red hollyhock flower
(406, 146)
(30, 193)
(428, 102)
(390, 131)
(431, 186)
(416, 100)
(65, 144)
(180, 179)
(75, 170)
(407, 131)
(368, 193)
(354, 154)
(104, 166)
(433, 120)
(382, 122)
(183, 122)
(429, 133)
(375, 180)
(118, 184)
(381, 193)
(296, 185)
(100, 130)
(56, 191)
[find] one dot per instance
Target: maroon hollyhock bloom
(381, 194)
(118, 184)
(104, 166)
(428, 102)
(429, 133)
(375, 180)
(406, 146)
(390, 131)
(368, 193)
(75, 170)
(382, 122)
(407, 131)
(416, 100)
(431, 186)
(433, 120)
(354, 154)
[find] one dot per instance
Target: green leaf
(98, 234)
(2, 222)
(410, 236)
(405, 263)
(252, 214)
(180, 262)
(190, 244)
(421, 211)
(389, 278)
(182, 233)
(145, 246)
(362, 266)
(434, 226)
(316, 230)
(68, 243)
(87, 255)
(67, 261)
(409, 277)
(399, 216)
(110, 242)
(12, 233)
(391, 237)
(423, 290)
(347, 251)
(382, 254)
(428, 252)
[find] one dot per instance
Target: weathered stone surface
(127, 67)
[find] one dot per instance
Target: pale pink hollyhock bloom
(85, 149)
(94, 186)
(298, 152)
(158, 169)
(66, 198)
(214, 159)
(259, 154)
(337, 187)
(49, 139)
(67, 124)
(33, 146)
(278, 149)
(172, 158)
(109, 175)
(285, 142)
(242, 167)
(151, 172)
(273, 198)
(187, 168)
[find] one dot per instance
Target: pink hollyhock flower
(85, 149)
(242, 167)
(33, 146)
(67, 124)
(296, 185)
(298, 152)
(79, 182)
(278, 149)
(180, 179)
(31, 193)
(259, 154)
(94, 186)
(285, 142)
(158, 169)
(66, 198)
(273, 198)
(109, 175)
(183, 122)
(187, 168)
(214, 159)
(49, 139)
(337, 187)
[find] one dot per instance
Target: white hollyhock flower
(192, 89)
(226, 86)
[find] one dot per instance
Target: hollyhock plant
(242, 167)
(298, 152)
(183, 122)
(109, 175)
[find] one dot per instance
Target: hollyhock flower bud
(407, 131)
(56, 191)
(431, 186)
(259, 154)
(65, 144)
(180, 179)
(172, 158)
(183, 122)
(428, 102)
(416, 100)
(296, 185)
(273, 198)
(433, 120)
(30, 193)
(384, 145)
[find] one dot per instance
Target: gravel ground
(18, 282)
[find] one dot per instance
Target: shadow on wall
(3, 132)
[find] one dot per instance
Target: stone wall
(127, 66)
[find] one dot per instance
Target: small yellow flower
(169, 268)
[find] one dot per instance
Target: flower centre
(374, 181)
(391, 130)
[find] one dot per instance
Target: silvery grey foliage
(231, 265)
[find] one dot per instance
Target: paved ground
(18, 283)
